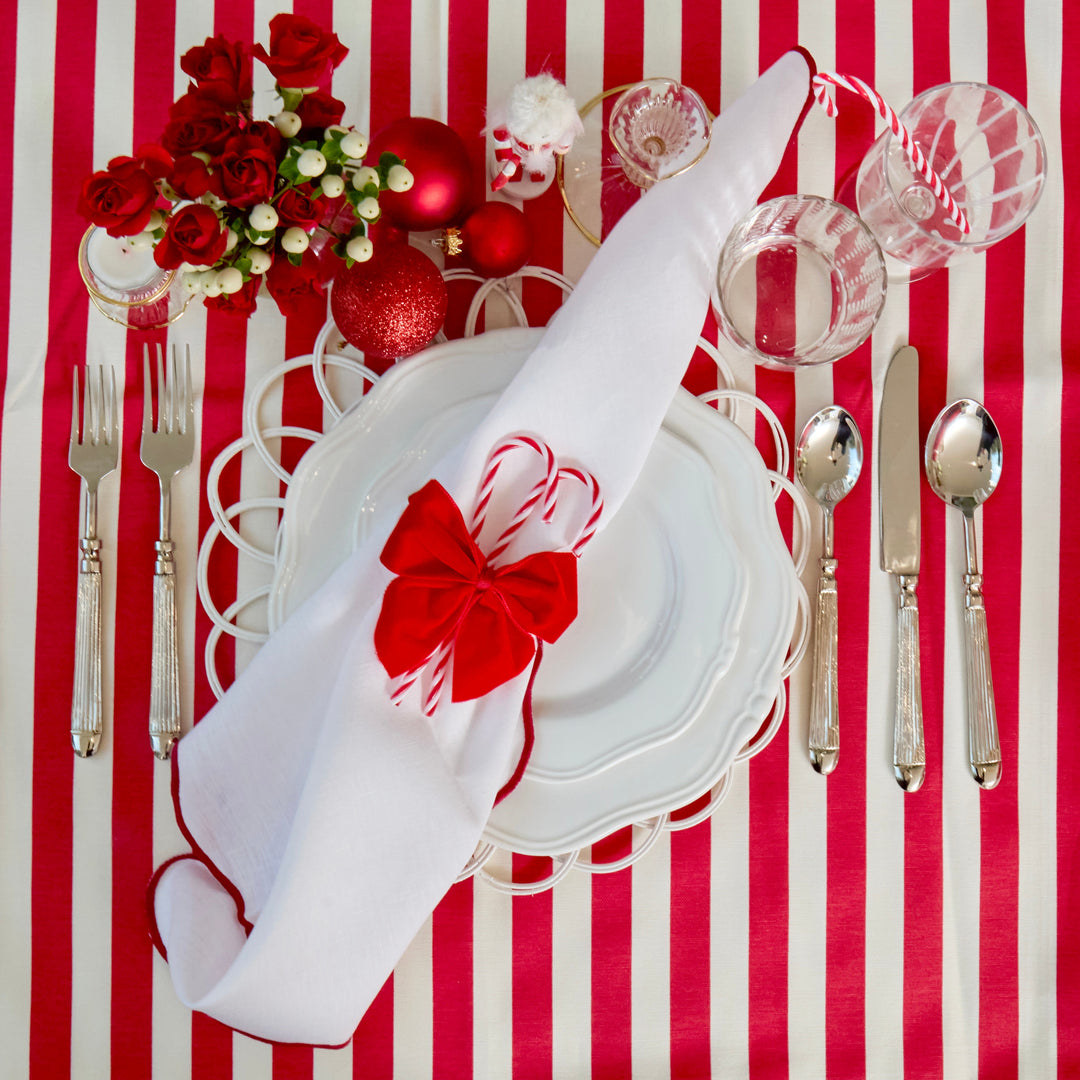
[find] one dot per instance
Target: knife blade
(899, 475)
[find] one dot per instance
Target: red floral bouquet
(230, 201)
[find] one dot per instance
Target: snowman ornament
(538, 121)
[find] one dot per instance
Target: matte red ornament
(496, 240)
(392, 305)
(442, 175)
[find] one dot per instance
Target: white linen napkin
(326, 819)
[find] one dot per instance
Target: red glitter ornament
(496, 240)
(442, 175)
(390, 306)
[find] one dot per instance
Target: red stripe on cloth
(845, 960)
(373, 1045)
(612, 921)
(452, 983)
(532, 978)
(624, 28)
(466, 89)
(211, 1048)
(59, 527)
(545, 50)
(702, 38)
(391, 26)
(7, 124)
(1068, 734)
(131, 1018)
(1003, 394)
(690, 985)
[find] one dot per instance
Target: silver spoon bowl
(963, 466)
(828, 460)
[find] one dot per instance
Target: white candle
(119, 266)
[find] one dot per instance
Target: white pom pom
(311, 163)
(260, 261)
(359, 248)
(294, 240)
(288, 123)
(354, 145)
(399, 178)
(263, 217)
(540, 112)
(332, 185)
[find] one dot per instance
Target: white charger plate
(639, 707)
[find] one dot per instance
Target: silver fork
(92, 454)
(166, 449)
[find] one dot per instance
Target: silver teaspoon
(828, 460)
(963, 466)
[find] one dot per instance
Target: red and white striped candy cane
(596, 507)
(824, 79)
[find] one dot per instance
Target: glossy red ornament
(390, 306)
(442, 175)
(496, 240)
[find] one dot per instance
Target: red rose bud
(320, 110)
(220, 60)
(301, 52)
(120, 199)
(248, 171)
(296, 208)
(194, 235)
(293, 287)
(191, 178)
(201, 120)
(154, 159)
(263, 129)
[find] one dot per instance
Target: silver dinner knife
(898, 504)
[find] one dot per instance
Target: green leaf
(295, 258)
(370, 191)
(348, 262)
(387, 161)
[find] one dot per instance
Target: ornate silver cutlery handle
(86, 692)
(984, 748)
(164, 665)
(909, 747)
(824, 706)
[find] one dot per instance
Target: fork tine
(100, 428)
(147, 415)
(114, 413)
(162, 391)
(176, 395)
(75, 406)
(87, 416)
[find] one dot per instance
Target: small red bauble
(442, 176)
(496, 240)
(392, 305)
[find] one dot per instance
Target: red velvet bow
(445, 590)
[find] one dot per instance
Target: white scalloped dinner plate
(687, 598)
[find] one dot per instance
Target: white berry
(294, 240)
(399, 178)
(368, 208)
(354, 145)
(359, 248)
(157, 219)
(364, 176)
(260, 261)
(263, 217)
(230, 279)
(311, 163)
(332, 185)
(332, 130)
(231, 239)
(143, 241)
(211, 284)
(288, 123)
(193, 282)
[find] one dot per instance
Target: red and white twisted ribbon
(545, 493)
(823, 80)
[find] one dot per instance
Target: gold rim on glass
(96, 294)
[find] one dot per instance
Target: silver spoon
(963, 465)
(828, 460)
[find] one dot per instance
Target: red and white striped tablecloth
(812, 928)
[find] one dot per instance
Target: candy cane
(596, 509)
(544, 488)
(824, 79)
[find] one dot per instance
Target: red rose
(301, 52)
(220, 60)
(241, 302)
(201, 120)
(269, 134)
(120, 199)
(296, 208)
(193, 235)
(320, 110)
(191, 177)
(248, 171)
(156, 161)
(292, 287)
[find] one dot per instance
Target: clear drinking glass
(801, 281)
(660, 128)
(988, 152)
